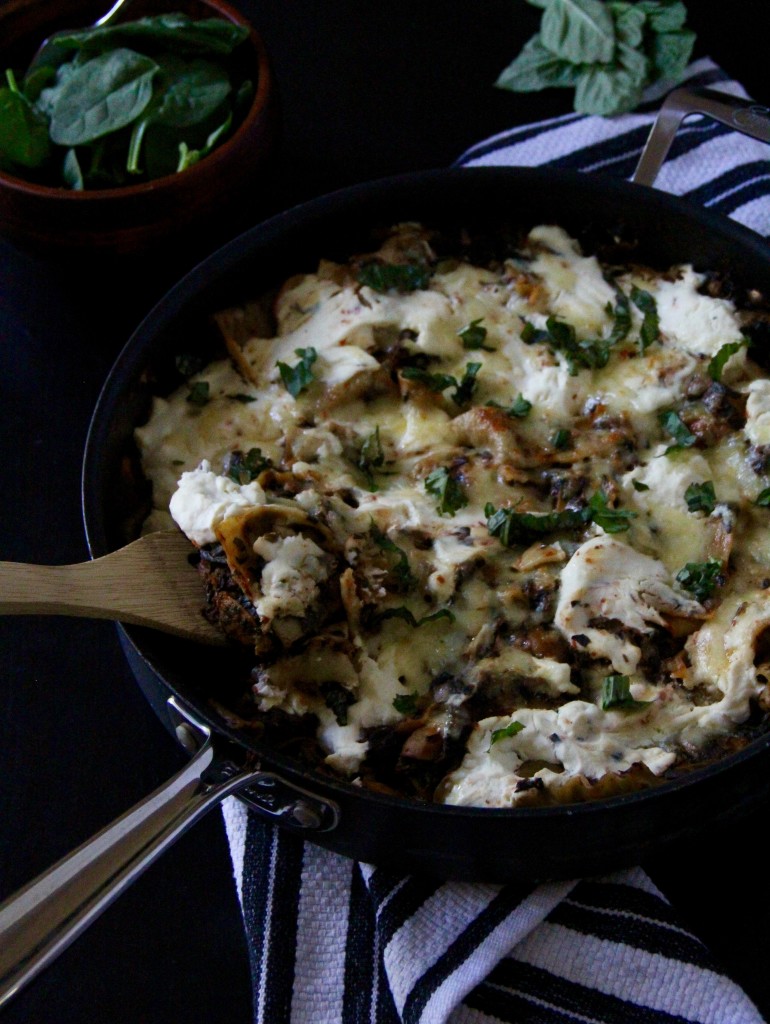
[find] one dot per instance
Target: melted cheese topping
(511, 521)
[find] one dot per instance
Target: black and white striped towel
(336, 942)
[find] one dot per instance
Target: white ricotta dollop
(203, 499)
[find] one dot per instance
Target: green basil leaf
(621, 318)
(371, 457)
(701, 578)
(763, 498)
(701, 497)
(473, 336)
(400, 277)
(297, 378)
(606, 89)
(449, 492)
(434, 381)
(407, 704)
(561, 439)
(580, 31)
(512, 527)
(401, 570)
(537, 68)
(639, 486)
(611, 520)
(245, 468)
(616, 693)
(467, 385)
(104, 95)
(677, 429)
(663, 15)
(402, 612)
(717, 362)
(670, 53)
(519, 409)
(648, 307)
(338, 700)
(509, 730)
(199, 393)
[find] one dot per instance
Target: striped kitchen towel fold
(336, 942)
(332, 941)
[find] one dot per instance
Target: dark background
(368, 89)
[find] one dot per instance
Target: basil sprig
(607, 52)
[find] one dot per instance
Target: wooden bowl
(153, 216)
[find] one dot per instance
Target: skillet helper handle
(41, 920)
(743, 115)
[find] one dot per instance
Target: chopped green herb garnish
(338, 700)
(449, 492)
(512, 527)
(406, 704)
(616, 693)
(639, 486)
(678, 430)
(371, 457)
(648, 307)
(763, 498)
(622, 318)
(464, 391)
(474, 335)
(297, 378)
(400, 277)
(401, 570)
(437, 382)
(701, 497)
(611, 520)
(188, 364)
(561, 439)
(560, 336)
(401, 612)
(199, 393)
(509, 730)
(242, 398)
(520, 408)
(245, 468)
(701, 578)
(717, 363)
(434, 381)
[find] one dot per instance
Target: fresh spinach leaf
(24, 138)
(105, 94)
(175, 31)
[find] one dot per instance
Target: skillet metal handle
(42, 919)
(743, 115)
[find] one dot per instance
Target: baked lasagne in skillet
(493, 531)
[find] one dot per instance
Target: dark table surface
(368, 89)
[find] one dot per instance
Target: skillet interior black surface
(530, 844)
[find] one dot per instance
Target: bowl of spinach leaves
(120, 138)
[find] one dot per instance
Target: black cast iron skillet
(529, 844)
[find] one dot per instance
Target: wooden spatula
(147, 583)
